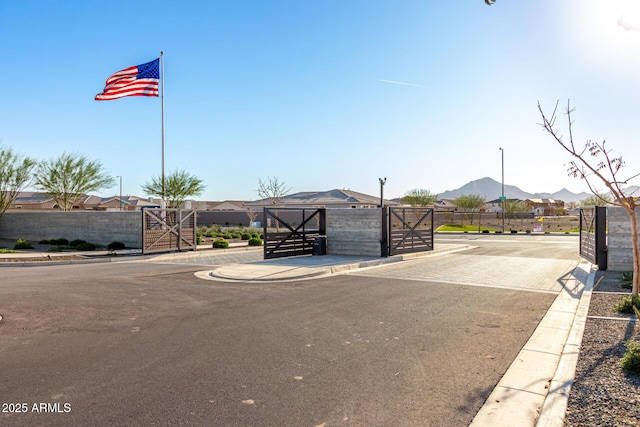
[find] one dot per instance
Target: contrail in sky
(402, 83)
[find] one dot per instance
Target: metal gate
(407, 230)
(593, 235)
(167, 230)
(303, 227)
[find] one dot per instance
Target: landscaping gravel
(603, 394)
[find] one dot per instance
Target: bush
(246, 236)
(626, 279)
(76, 243)
(626, 303)
(226, 235)
(86, 246)
(221, 244)
(255, 241)
(113, 246)
(56, 249)
(631, 358)
(22, 244)
(55, 242)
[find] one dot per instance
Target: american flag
(139, 80)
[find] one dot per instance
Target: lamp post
(382, 182)
(384, 249)
(502, 197)
(120, 200)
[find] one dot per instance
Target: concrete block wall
(100, 227)
(619, 251)
(354, 232)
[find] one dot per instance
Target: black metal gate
(167, 230)
(303, 228)
(593, 235)
(407, 230)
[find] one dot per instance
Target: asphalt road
(420, 343)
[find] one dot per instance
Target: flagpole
(163, 203)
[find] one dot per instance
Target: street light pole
(503, 198)
(382, 182)
(120, 201)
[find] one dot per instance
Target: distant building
(545, 206)
(324, 199)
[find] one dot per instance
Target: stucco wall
(353, 232)
(96, 227)
(619, 251)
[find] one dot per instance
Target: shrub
(236, 235)
(113, 246)
(221, 244)
(631, 358)
(255, 241)
(226, 235)
(22, 244)
(626, 279)
(76, 243)
(514, 231)
(246, 236)
(7, 251)
(56, 242)
(56, 249)
(626, 303)
(86, 246)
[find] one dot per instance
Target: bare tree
(273, 190)
(594, 162)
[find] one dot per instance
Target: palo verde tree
(15, 176)
(469, 204)
(69, 177)
(178, 186)
(595, 164)
(597, 200)
(419, 197)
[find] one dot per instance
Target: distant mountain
(491, 189)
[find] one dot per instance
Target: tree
(69, 177)
(419, 197)
(512, 207)
(597, 200)
(594, 162)
(15, 175)
(469, 203)
(178, 186)
(273, 190)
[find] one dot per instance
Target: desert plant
(115, 246)
(22, 244)
(246, 236)
(86, 246)
(631, 359)
(255, 241)
(626, 302)
(221, 244)
(76, 242)
(626, 279)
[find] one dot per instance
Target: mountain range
(491, 189)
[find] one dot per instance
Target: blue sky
(304, 90)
